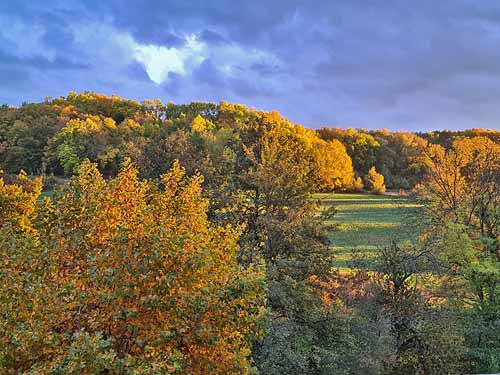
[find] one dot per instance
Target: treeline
(183, 239)
(398, 156)
(53, 138)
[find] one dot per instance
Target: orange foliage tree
(463, 183)
(124, 277)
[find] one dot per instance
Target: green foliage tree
(426, 337)
(24, 133)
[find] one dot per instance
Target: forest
(147, 238)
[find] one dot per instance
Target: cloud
(159, 61)
(383, 63)
(40, 62)
(223, 64)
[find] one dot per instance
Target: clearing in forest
(365, 222)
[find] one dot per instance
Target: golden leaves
(125, 261)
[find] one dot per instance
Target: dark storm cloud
(398, 64)
(40, 62)
(244, 20)
(136, 72)
(13, 77)
(209, 74)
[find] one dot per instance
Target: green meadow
(365, 222)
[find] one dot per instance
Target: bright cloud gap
(160, 61)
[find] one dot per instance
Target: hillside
(144, 238)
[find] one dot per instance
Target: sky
(396, 64)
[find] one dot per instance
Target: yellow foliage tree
(374, 181)
(200, 125)
(334, 166)
(17, 201)
(463, 183)
(128, 278)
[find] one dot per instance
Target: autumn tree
(462, 190)
(445, 138)
(101, 105)
(374, 181)
(281, 228)
(18, 201)
(400, 158)
(360, 146)
(397, 155)
(333, 166)
(462, 184)
(124, 277)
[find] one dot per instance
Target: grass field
(364, 222)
